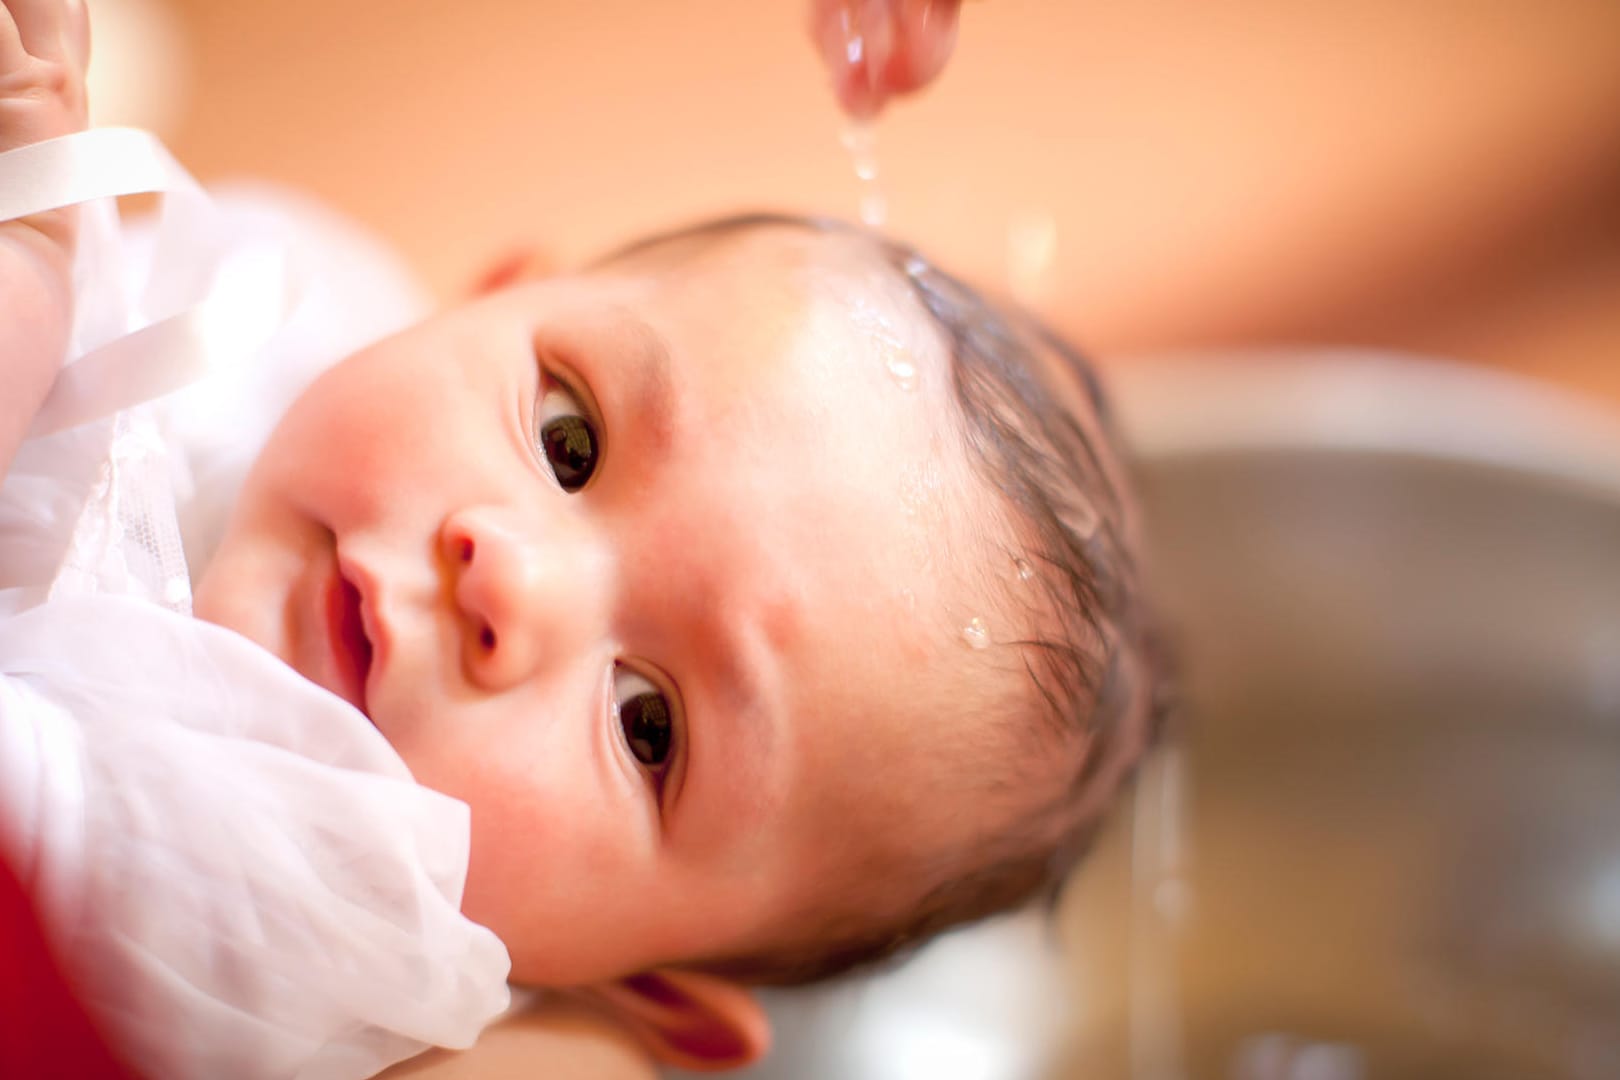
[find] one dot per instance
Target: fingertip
(925, 39)
(837, 32)
(876, 49)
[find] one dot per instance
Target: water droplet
(976, 634)
(1023, 569)
(854, 47)
(874, 208)
(860, 139)
(904, 372)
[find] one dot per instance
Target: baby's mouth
(351, 649)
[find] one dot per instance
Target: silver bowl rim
(1180, 405)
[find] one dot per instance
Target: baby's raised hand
(44, 47)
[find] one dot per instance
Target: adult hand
(44, 48)
(877, 49)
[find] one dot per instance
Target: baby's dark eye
(645, 717)
(566, 438)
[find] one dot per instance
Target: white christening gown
(235, 867)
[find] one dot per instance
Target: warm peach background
(1441, 175)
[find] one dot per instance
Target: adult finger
(924, 38)
(876, 49)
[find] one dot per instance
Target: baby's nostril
(464, 551)
(486, 638)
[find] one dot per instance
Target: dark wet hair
(1102, 679)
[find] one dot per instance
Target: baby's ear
(688, 1020)
(522, 264)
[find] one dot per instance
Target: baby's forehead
(768, 250)
(787, 295)
(915, 677)
(848, 279)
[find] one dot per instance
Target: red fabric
(44, 1033)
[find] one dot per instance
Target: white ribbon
(195, 313)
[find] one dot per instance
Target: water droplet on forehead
(884, 337)
(1023, 569)
(903, 371)
(976, 634)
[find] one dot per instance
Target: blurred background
(1441, 176)
(1385, 842)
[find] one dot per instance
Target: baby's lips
(899, 46)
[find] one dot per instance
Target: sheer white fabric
(234, 864)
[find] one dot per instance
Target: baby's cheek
(526, 820)
(543, 874)
(509, 851)
(353, 430)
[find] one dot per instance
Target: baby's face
(655, 567)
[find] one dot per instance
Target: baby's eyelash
(567, 435)
(647, 717)
(559, 371)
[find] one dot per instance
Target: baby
(767, 594)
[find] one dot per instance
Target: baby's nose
(527, 596)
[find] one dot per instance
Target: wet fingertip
(926, 41)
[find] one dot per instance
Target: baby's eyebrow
(741, 664)
(651, 384)
(742, 738)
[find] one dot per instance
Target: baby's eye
(645, 717)
(566, 438)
